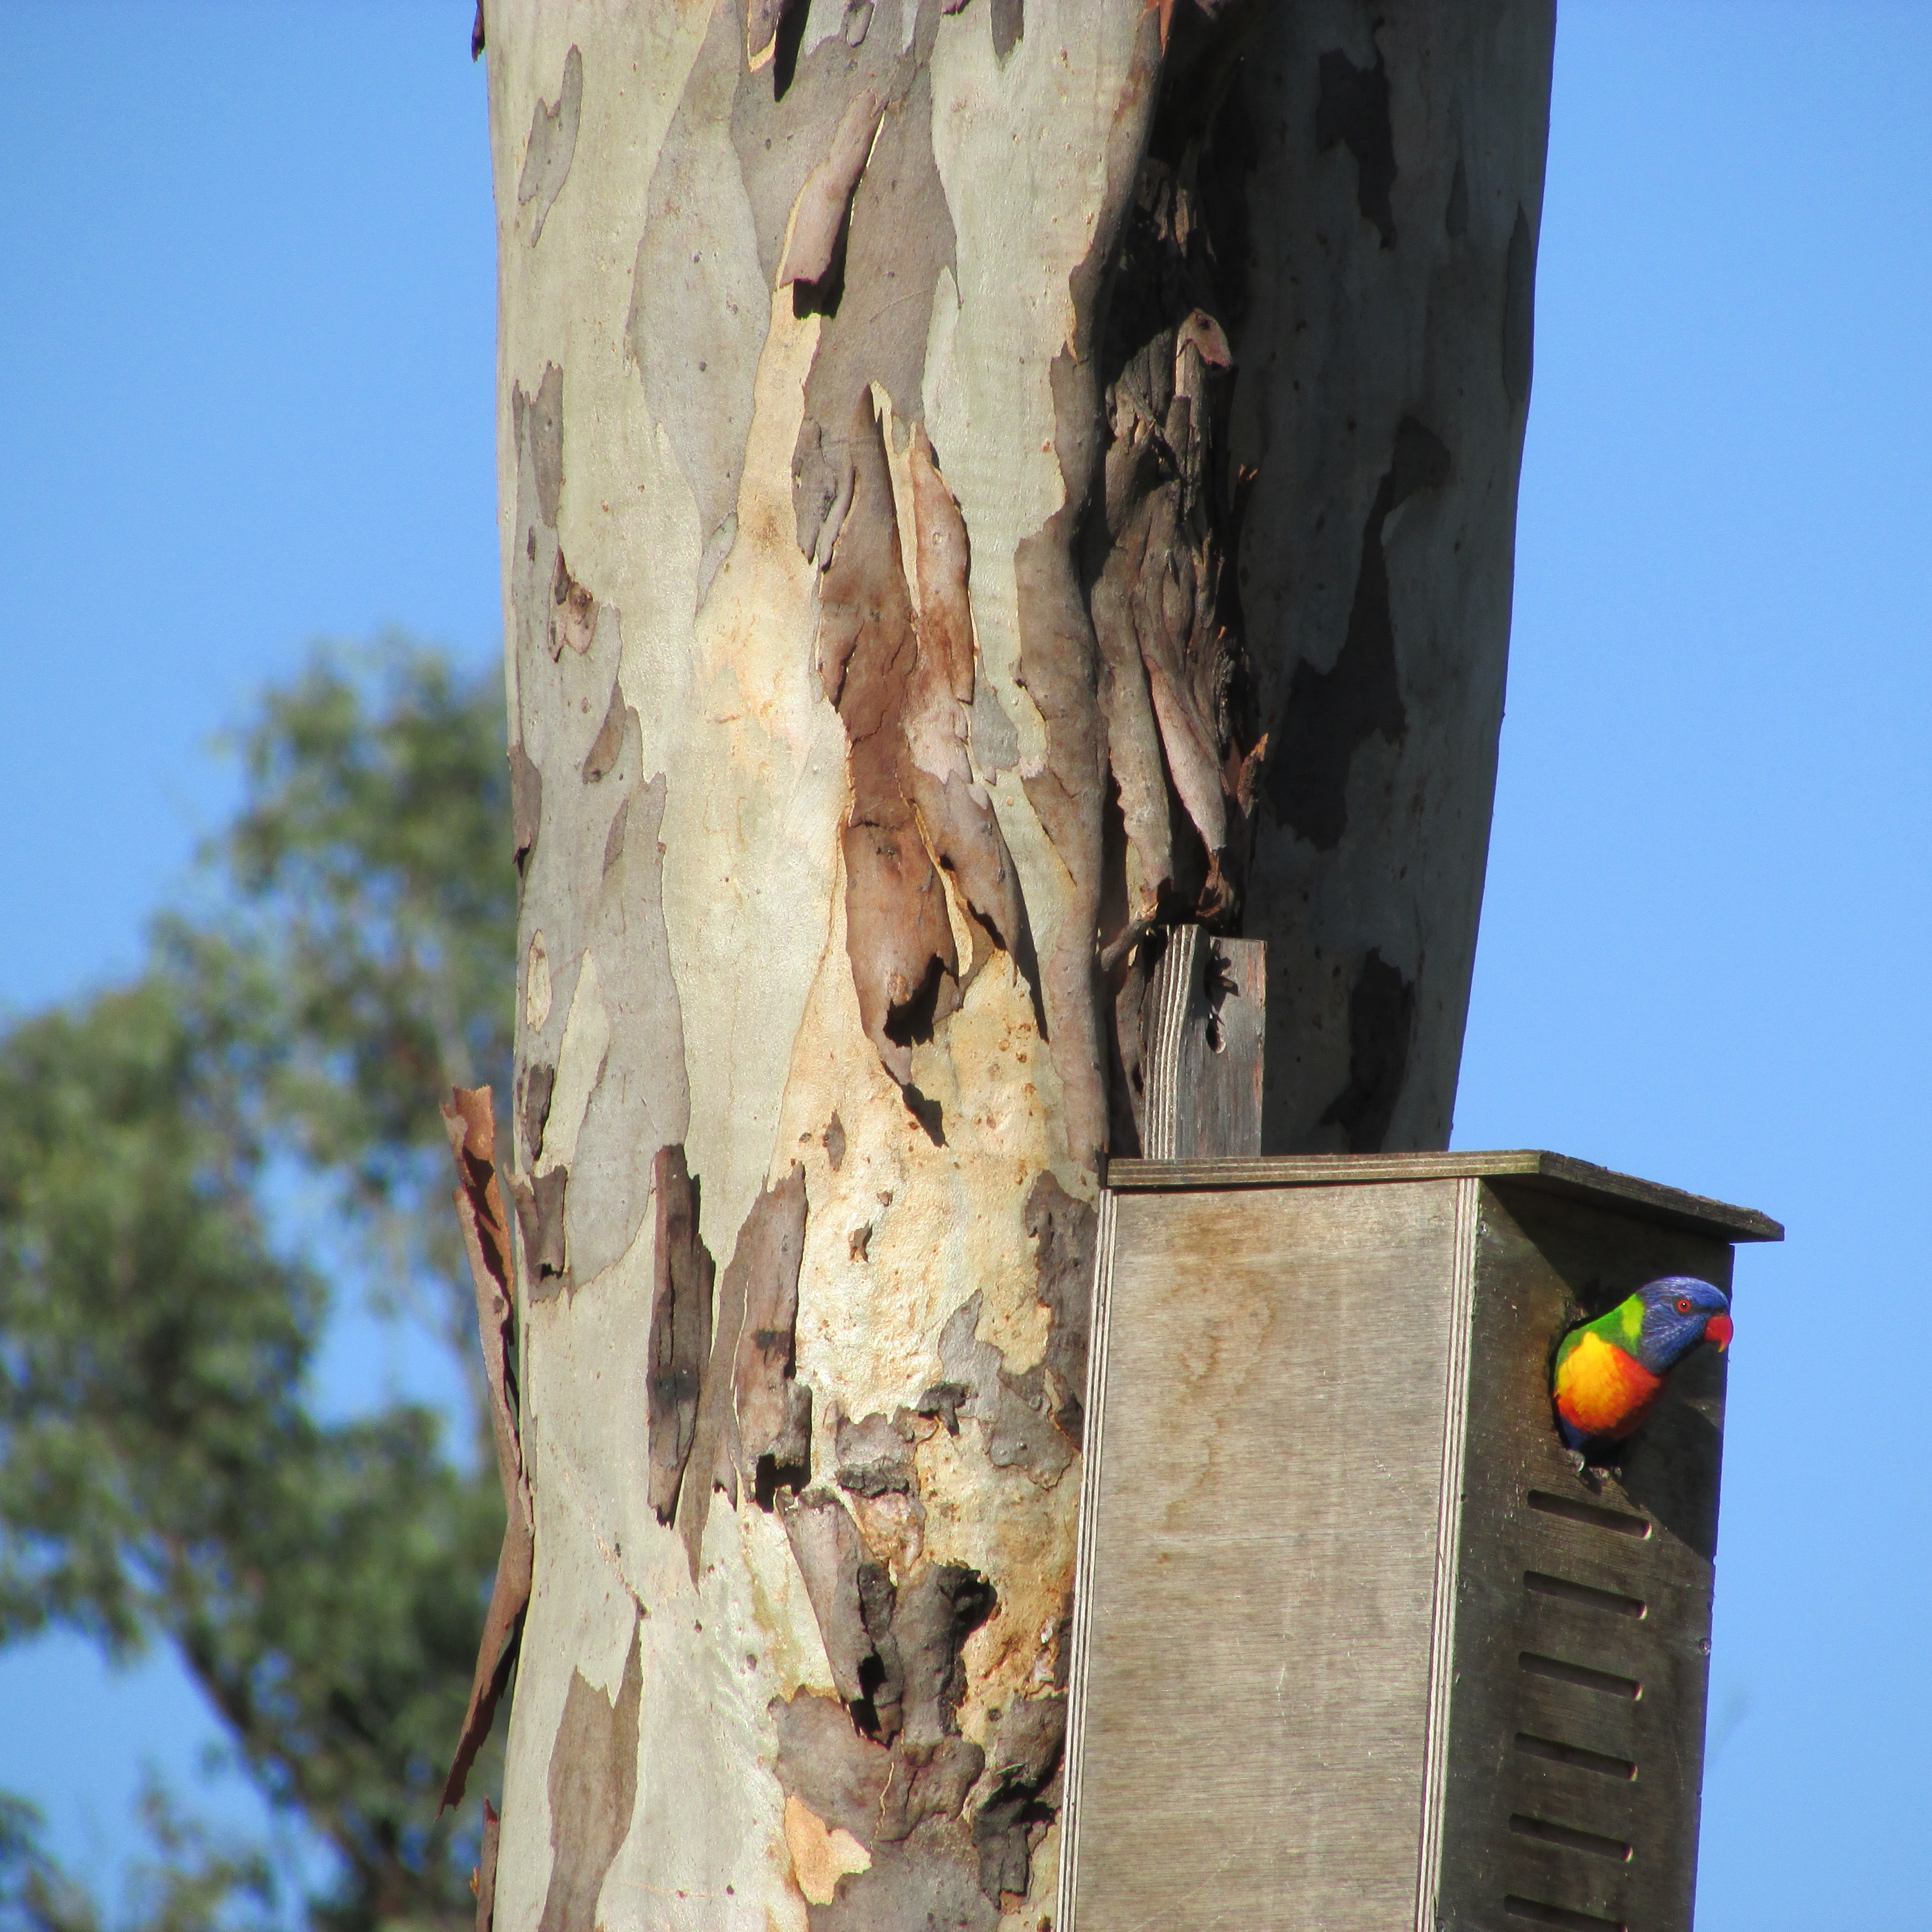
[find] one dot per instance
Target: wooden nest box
(1357, 1648)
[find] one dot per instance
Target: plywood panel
(1258, 1569)
(1598, 1816)
(1530, 1167)
(1356, 1645)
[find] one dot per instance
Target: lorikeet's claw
(1578, 1460)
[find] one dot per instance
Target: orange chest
(1603, 1391)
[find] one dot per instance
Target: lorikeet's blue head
(1679, 1312)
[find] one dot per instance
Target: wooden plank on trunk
(1207, 1016)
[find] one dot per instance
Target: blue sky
(247, 304)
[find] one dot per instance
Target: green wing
(1621, 1327)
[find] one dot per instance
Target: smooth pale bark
(890, 403)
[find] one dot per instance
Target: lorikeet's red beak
(1718, 1330)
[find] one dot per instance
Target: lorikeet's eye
(1684, 1304)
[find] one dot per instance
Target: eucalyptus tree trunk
(982, 482)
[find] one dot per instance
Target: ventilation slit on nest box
(1570, 1837)
(1584, 1594)
(1607, 1681)
(1593, 1515)
(1575, 1756)
(1537, 1913)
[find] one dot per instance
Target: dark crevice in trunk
(1157, 547)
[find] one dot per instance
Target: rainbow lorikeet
(1608, 1372)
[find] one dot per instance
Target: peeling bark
(753, 1419)
(874, 1456)
(1022, 1799)
(486, 1857)
(469, 1121)
(593, 1784)
(897, 933)
(818, 222)
(774, 1409)
(1016, 1418)
(680, 1327)
(954, 811)
(826, 1543)
(981, 483)
(1062, 1230)
(1176, 687)
(828, 1765)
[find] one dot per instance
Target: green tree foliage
(192, 1881)
(164, 1476)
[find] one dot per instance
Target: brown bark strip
(772, 1425)
(485, 1881)
(904, 1805)
(469, 1121)
(820, 220)
(1025, 1796)
(525, 805)
(1133, 742)
(1163, 604)
(593, 1790)
(573, 619)
(540, 1206)
(762, 1276)
(680, 1326)
(954, 810)
(897, 933)
(944, 561)
(876, 295)
(1062, 1230)
(763, 19)
(836, 158)
(497, 1652)
(825, 1764)
(538, 1082)
(825, 1545)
